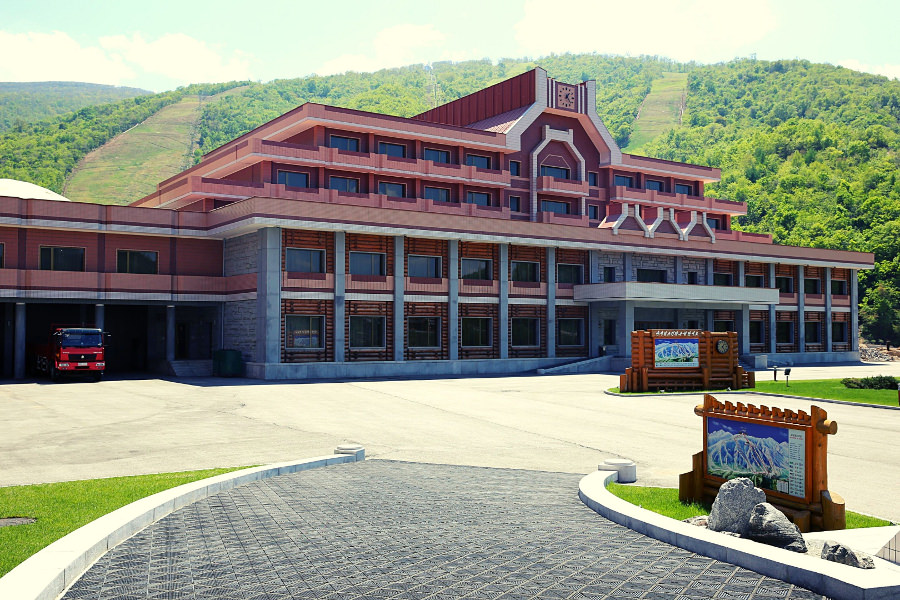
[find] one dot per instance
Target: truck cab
(73, 351)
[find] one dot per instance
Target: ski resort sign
(676, 352)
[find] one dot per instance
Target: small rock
(839, 553)
(769, 526)
(733, 504)
(699, 521)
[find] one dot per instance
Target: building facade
(499, 233)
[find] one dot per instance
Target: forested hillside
(26, 102)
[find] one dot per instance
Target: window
(570, 332)
(137, 261)
(593, 179)
(569, 273)
(609, 332)
(344, 143)
(424, 266)
(397, 150)
(394, 190)
(525, 271)
(754, 281)
(293, 179)
(811, 332)
(722, 326)
(623, 180)
(652, 184)
(838, 332)
(303, 260)
(756, 332)
(609, 274)
(722, 278)
(515, 204)
(476, 331)
(555, 206)
(436, 194)
(693, 278)
(367, 263)
(477, 160)
(366, 332)
(525, 331)
(475, 268)
(812, 286)
(2, 246)
(681, 188)
(838, 287)
(438, 156)
(785, 285)
(303, 333)
(712, 222)
(556, 172)
(344, 184)
(651, 275)
(593, 212)
(784, 332)
(479, 198)
(515, 168)
(424, 332)
(62, 259)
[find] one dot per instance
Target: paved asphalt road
(55, 432)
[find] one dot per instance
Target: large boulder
(769, 526)
(733, 504)
(839, 553)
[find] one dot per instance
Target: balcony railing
(567, 187)
(620, 193)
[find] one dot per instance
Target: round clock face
(722, 346)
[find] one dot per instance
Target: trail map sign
(676, 352)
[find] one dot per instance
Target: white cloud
(888, 70)
(394, 46)
(702, 30)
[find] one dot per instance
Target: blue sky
(162, 44)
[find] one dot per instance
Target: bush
(879, 382)
(852, 383)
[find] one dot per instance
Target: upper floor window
(593, 179)
(693, 278)
(624, 180)
(713, 222)
(754, 281)
(838, 287)
(593, 212)
(344, 184)
(394, 190)
(479, 198)
(681, 188)
(438, 156)
(525, 271)
(424, 266)
(304, 260)
(515, 168)
(344, 143)
(293, 179)
(2, 246)
(785, 285)
(555, 206)
(651, 275)
(515, 203)
(722, 278)
(609, 274)
(55, 258)
(367, 263)
(812, 286)
(437, 194)
(556, 172)
(477, 160)
(573, 274)
(302, 332)
(143, 262)
(475, 268)
(398, 150)
(652, 184)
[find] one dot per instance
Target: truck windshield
(81, 339)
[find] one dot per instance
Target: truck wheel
(54, 374)
(96, 376)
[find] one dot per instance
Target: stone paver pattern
(411, 531)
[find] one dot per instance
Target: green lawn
(61, 508)
(665, 501)
(660, 111)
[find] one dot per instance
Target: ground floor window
(367, 332)
(304, 332)
(424, 332)
(756, 332)
(609, 332)
(839, 332)
(570, 332)
(812, 332)
(784, 332)
(476, 331)
(723, 326)
(525, 331)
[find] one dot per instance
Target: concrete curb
(833, 580)
(47, 574)
(844, 402)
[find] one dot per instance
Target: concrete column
(801, 309)
(399, 291)
(626, 265)
(551, 302)
(772, 313)
(594, 330)
(453, 299)
(19, 364)
(9, 339)
(828, 318)
(170, 333)
(268, 296)
(743, 329)
(741, 274)
(772, 275)
(676, 318)
(99, 316)
(710, 319)
(854, 310)
(679, 269)
(340, 282)
(504, 301)
(709, 271)
(624, 327)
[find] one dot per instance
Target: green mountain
(26, 102)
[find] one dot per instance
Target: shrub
(879, 382)
(852, 383)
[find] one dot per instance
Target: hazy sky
(162, 44)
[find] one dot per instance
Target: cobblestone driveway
(381, 529)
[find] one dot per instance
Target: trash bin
(228, 363)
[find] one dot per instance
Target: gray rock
(733, 504)
(769, 526)
(699, 521)
(839, 553)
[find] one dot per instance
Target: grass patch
(660, 111)
(664, 501)
(61, 508)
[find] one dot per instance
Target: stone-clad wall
(240, 328)
(609, 259)
(652, 261)
(241, 254)
(695, 264)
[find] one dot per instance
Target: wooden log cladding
(476, 250)
(723, 315)
(428, 247)
(370, 309)
(814, 273)
(383, 244)
(725, 266)
(573, 312)
(754, 268)
(314, 240)
(528, 311)
(840, 274)
(530, 254)
(575, 257)
(323, 308)
(427, 309)
(481, 310)
(785, 271)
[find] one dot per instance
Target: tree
(879, 314)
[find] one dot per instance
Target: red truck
(72, 351)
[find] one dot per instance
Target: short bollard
(627, 469)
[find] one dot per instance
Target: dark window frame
(384, 185)
(817, 285)
(535, 267)
(693, 277)
(718, 278)
(128, 261)
(515, 168)
(333, 136)
(332, 178)
(684, 188)
(283, 180)
(371, 319)
(758, 336)
(437, 272)
(784, 327)
(433, 187)
(321, 336)
(385, 147)
(843, 287)
(654, 184)
(382, 269)
(645, 273)
(556, 172)
(757, 278)
(293, 249)
(839, 326)
(517, 200)
(780, 282)
(533, 330)
(812, 326)
(441, 153)
(489, 263)
(576, 266)
(593, 212)
(623, 181)
(561, 203)
(475, 157)
(2, 255)
(490, 332)
(428, 333)
(606, 274)
(52, 262)
(470, 194)
(593, 179)
(559, 327)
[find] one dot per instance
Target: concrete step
(590, 365)
(191, 368)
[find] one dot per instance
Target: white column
(340, 282)
(828, 318)
(268, 296)
(801, 309)
(504, 301)
(854, 311)
(399, 292)
(453, 308)
(551, 302)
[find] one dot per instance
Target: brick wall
(240, 328)
(694, 264)
(610, 259)
(241, 254)
(650, 261)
